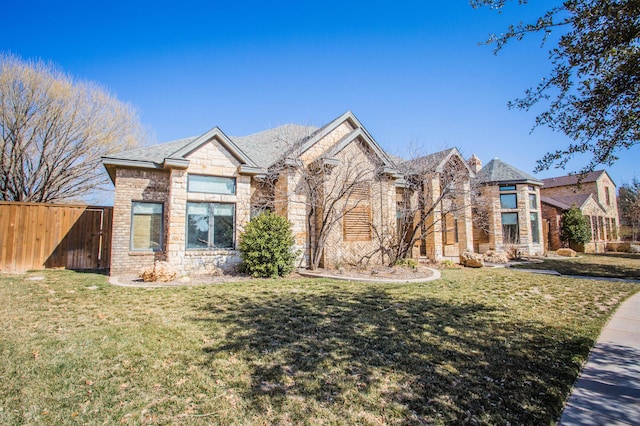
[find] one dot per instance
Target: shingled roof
(256, 152)
(497, 171)
(566, 201)
(268, 146)
(433, 162)
(154, 153)
(570, 180)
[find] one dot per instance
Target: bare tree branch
(54, 131)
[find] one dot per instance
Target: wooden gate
(36, 236)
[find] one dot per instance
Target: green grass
(609, 265)
(482, 346)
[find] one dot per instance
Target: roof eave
(251, 170)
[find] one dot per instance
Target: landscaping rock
(492, 256)
(634, 248)
(160, 271)
(471, 260)
(566, 252)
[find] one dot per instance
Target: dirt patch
(136, 281)
(374, 273)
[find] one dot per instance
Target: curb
(436, 275)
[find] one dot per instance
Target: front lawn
(607, 265)
(482, 346)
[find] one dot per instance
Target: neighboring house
(594, 195)
(186, 201)
(508, 209)
(434, 198)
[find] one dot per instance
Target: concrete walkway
(608, 389)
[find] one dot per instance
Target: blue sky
(411, 71)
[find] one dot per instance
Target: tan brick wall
(326, 143)
(214, 160)
(135, 185)
(495, 241)
(552, 215)
(382, 200)
(170, 187)
(599, 190)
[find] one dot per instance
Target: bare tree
(54, 131)
(430, 199)
(326, 188)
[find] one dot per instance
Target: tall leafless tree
(327, 188)
(54, 130)
(428, 202)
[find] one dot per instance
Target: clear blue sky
(411, 71)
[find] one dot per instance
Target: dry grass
(608, 265)
(488, 346)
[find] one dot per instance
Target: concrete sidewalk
(608, 389)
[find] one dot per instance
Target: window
(510, 228)
(607, 195)
(146, 226)
(533, 202)
(210, 225)
(507, 187)
(535, 228)
(508, 201)
(211, 184)
(357, 224)
(450, 229)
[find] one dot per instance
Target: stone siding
(605, 224)
(170, 188)
(135, 185)
(494, 240)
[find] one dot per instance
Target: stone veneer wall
(611, 231)
(170, 188)
(526, 245)
(210, 159)
(135, 185)
(337, 250)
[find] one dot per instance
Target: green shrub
(266, 246)
(575, 228)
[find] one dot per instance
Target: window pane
(210, 225)
(508, 201)
(509, 218)
(507, 187)
(197, 225)
(223, 225)
(146, 226)
(510, 228)
(533, 202)
(535, 228)
(211, 184)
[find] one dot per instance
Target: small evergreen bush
(266, 246)
(574, 227)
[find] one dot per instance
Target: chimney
(475, 163)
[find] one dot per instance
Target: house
(595, 195)
(508, 210)
(434, 205)
(187, 201)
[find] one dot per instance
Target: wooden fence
(36, 236)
